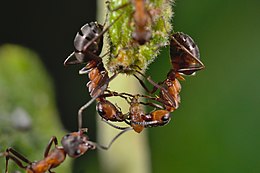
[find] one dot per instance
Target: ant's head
(165, 119)
(76, 144)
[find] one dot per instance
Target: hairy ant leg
(167, 98)
(113, 125)
(18, 158)
(52, 140)
(113, 140)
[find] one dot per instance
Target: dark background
(49, 28)
(217, 127)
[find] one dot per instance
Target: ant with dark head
(73, 144)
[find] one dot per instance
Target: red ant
(136, 117)
(140, 120)
(73, 144)
(185, 59)
(142, 19)
(88, 44)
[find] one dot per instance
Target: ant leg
(117, 8)
(152, 105)
(122, 95)
(113, 140)
(52, 140)
(16, 157)
(101, 89)
(80, 111)
(170, 98)
(143, 84)
(81, 59)
(70, 61)
(114, 126)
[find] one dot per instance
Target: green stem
(130, 153)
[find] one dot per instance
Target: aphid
(73, 144)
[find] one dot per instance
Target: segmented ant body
(108, 111)
(73, 144)
(184, 53)
(136, 117)
(88, 45)
(140, 120)
(185, 60)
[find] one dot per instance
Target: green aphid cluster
(126, 55)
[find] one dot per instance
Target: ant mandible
(73, 144)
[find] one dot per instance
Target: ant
(136, 117)
(88, 45)
(73, 144)
(140, 120)
(185, 60)
(142, 19)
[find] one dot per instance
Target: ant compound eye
(166, 117)
(100, 109)
(66, 136)
(77, 152)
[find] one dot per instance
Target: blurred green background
(216, 128)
